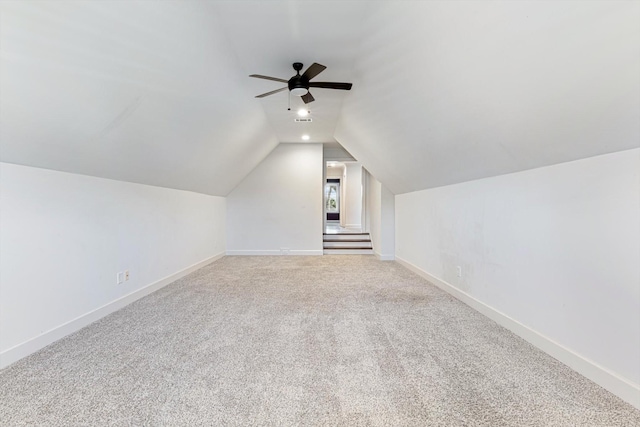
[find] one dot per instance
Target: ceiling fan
(299, 84)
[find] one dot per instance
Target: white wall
(373, 209)
(64, 237)
(553, 253)
(335, 172)
(387, 224)
(353, 195)
(335, 152)
(380, 217)
(277, 208)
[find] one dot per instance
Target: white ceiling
(269, 36)
(454, 91)
(159, 93)
(147, 92)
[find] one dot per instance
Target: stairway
(347, 244)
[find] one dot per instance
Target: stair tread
(348, 240)
(334, 244)
(348, 247)
(345, 234)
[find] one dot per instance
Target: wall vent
(303, 119)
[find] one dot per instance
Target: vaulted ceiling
(159, 93)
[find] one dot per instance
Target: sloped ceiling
(158, 92)
(147, 92)
(269, 36)
(446, 92)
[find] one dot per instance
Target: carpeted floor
(326, 341)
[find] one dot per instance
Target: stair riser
(348, 252)
(337, 237)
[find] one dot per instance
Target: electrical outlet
(126, 275)
(119, 278)
(459, 271)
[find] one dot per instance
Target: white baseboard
(621, 387)
(273, 252)
(26, 348)
(382, 257)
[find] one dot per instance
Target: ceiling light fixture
(305, 137)
(299, 91)
(303, 113)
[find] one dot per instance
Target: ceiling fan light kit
(299, 84)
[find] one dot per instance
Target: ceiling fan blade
(331, 85)
(272, 92)
(313, 70)
(275, 79)
(307, 98)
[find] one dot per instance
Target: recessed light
(303, 113)
(305, 137)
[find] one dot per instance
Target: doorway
(343, 202)
(332, 200)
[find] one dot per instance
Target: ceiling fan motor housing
(298, 85)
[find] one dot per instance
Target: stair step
(346, 237)
(349, 234)
(347, 240)
(363, 244)
(347, 244)
(343, 251)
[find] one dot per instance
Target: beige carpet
(326, 341)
